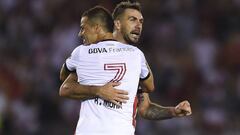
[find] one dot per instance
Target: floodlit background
(192, 46)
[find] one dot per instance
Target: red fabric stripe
(135, 111)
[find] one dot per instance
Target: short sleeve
(144, 67)
(72, 62)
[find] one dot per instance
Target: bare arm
(148, 84)
(72, 89)
(64, 73)
(64, 90)
(152, 111)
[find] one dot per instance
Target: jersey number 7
(119, 67)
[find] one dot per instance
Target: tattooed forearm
(156, 112)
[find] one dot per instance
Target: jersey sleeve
(72, 62)
(145, 73)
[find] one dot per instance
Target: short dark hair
(122, 6)
(102, 15)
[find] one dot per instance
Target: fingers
(109, 93)
(183, 109)
(121, 100)
(122, 97)
(116, 95)
(121, 92)
(114, 84)
(116, 103)
(186, 107)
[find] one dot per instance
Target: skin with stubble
(128, 28)
(91, 31)
(87, 32)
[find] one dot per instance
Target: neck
(105, 36)
(118, 36)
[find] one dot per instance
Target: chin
(134, 41)
(130, 41)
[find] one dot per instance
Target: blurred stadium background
(193, 47)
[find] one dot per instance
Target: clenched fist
(182, 109)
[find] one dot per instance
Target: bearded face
(131, 27)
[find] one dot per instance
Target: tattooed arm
(152, 111)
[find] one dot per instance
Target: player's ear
(97, 28)
(117, 24)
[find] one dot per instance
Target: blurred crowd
(192, 46)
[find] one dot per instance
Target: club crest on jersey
(97, 50)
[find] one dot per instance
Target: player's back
(101, 63)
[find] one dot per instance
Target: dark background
(192, 46)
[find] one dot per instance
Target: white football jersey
(98, 64)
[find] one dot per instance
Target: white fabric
(98, 64)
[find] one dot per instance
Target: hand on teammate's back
(109, 93)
